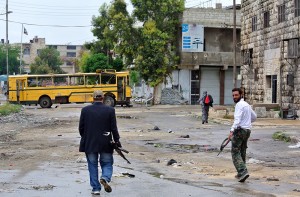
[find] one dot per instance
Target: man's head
(237, 94)
(98, 95)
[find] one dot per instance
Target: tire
(45, 102)
(110, 101)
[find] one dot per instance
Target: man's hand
(118, 144)
(230, 135)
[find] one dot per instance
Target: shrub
(7, 109)
(280, 135)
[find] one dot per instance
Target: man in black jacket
(97, 128)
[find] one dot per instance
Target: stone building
(68, 53)
(270, 45)
(207, 54)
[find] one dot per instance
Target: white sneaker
(95, 192)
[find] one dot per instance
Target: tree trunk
(157, 94)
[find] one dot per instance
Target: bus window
(60, 81)
(32, 82)
(76, 80)
(45, 81)
(92, 79)
(108, 78)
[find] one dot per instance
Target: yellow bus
(70, 88)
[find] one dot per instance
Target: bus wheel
(45, 102)
(108, 100)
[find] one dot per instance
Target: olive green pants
(239, 147)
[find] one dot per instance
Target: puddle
(126, 117)
(192, 148)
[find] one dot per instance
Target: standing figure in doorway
(205, 101)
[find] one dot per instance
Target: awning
(3, 77)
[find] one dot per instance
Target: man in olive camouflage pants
(240, 133)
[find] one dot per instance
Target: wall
(270, 52)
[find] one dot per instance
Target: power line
(42, 25)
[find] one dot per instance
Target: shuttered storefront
(210, 82)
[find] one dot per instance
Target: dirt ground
(37, 136)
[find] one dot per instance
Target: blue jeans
(106, 162)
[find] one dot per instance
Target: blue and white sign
(192, 38)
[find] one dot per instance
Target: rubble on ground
(172, 97)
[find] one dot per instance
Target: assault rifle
(120, 151)
(225, 142)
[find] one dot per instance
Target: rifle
(225, 142)
(120, 151)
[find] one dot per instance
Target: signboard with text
(192, 38)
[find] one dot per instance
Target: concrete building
(270, 46)
(207, 56)
(68, 53)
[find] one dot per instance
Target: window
(256, 74)
(266, 19)
(254, 23)
(53, 46)
(281, 13)
(297, 8)
(71, 54)
(38, 51)
(293, 48)
(26, 51)
(268, 81)
(71, 47)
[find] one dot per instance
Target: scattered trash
(254, 161)
(46, 187)
(156, 128)
(253, 139)
(295, 146)
(172, 161)
(184, 136)
(296, 190)
(59, 135)
(170, 131)
(81, 160)
(272, 179)
(161, 176)
(128, 174)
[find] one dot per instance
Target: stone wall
(269, 55)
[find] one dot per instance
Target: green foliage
(7, 109)
(134, 77)
(13, 61)
(117, 64)
(48, 61)
(96, 61)
(82, 63)
(280, 135)
(156, 56)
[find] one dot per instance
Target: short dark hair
(238, 89)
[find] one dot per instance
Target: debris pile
(172, 97)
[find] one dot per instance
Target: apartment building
(68, 53)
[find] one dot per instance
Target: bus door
(20, 85)
(121, 88)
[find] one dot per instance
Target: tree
(47, 61)
(157, 54)
(82, 63)
(13, 61)
(96, 61)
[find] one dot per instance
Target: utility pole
(7, 72)
(234, 44)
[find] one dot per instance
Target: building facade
(207, 56)
(270, 48)
(68, 53)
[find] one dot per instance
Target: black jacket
(97, 123)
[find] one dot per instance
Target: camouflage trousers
(239, 147)
(205, 110)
